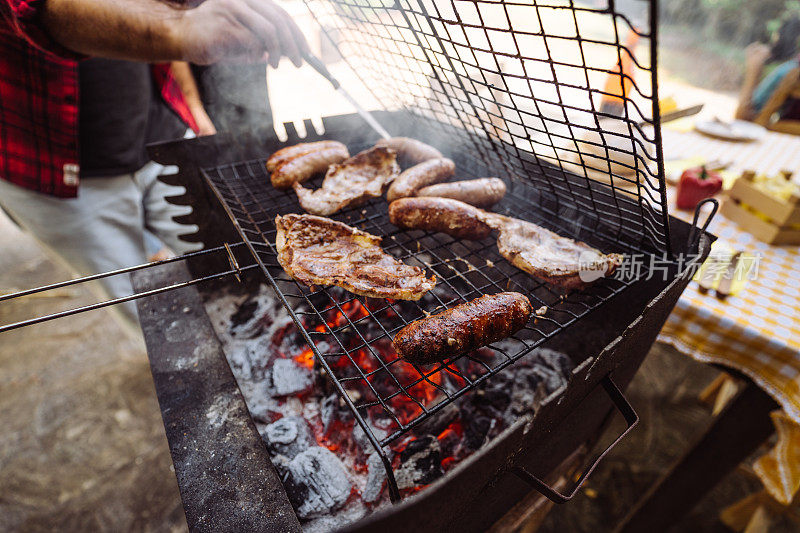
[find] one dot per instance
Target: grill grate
(517, 79)
(503, 88)
(351, 335)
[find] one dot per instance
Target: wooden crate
(748, 206)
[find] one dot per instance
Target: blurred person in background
(766, 67)
(84, 86)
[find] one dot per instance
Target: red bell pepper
(697, 184)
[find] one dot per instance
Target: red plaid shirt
(39, 103)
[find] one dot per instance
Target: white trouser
(103, 228)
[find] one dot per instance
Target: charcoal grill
(392, 43)
(464, 271)
(496, 87)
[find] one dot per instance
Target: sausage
(463, 328)
(304, 166)
(410, 151)
(483, 192)
(427, 173)
(290, 152)
(455, 218)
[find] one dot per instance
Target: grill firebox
(466, 85)
(464, 270)
(613, 332)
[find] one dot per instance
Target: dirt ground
(83, 445)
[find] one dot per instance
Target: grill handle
(625, 408)
(697, 231)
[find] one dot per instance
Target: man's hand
(238, 29)
(157, 31)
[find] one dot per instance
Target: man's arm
(182, 73)
(756, 55)
(157, 31)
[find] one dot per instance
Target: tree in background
(738, 22)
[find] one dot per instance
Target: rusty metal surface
(226, 479)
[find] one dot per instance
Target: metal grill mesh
(503, 88)
(351, 335)
(523, 82)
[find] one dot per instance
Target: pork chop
(351, 182)
(320, 251)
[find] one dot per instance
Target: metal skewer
(320, 67)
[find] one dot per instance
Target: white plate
(736, 130)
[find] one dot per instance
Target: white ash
(262, 406)
(376, 479)
(250, 353)
(316, 482)
(218, 413)
(257, 333)
(281, 462)
(420, 463)
(288, 377)
(346, 515)
(247, 343)
(288, 436)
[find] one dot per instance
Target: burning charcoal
(290, 378)
(376, 479)
(529, 392)
(334, 415)
(247, 360)
(254, 317)
(547, 371)
(449, 441)
(556, 361)
(439, 421)
(363, 441)
(329, 411)
(316, 482)
(420, 463)
(288, 436)
(244, 313)
(487, 405)
(548, 366)
(476, 429)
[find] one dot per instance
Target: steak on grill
(361, 177)
(320, 251)
(545, 255)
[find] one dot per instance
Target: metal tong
(320, 67)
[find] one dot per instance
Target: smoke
(235, 97)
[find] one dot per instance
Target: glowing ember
(389, 393)
(306, 358)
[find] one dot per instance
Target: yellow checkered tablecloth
(757, 331)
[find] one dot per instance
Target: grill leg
(738, 430)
